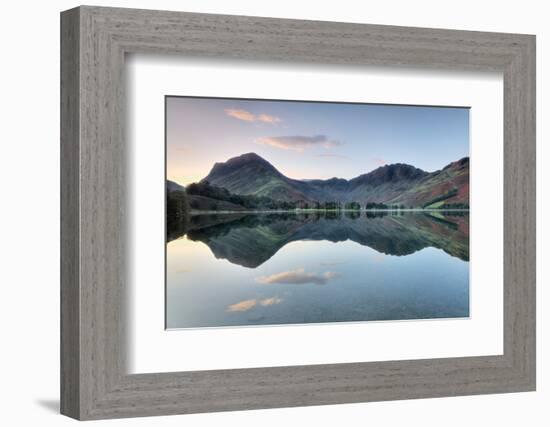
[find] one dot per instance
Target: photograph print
(284, 212)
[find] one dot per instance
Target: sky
(310, 140)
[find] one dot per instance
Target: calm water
(267, 269)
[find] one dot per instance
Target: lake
(244, 269)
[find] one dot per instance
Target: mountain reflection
(250, 240)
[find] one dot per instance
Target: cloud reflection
(249, 304)
(270, 301)
(298, 277)
(242, 305)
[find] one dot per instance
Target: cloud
(247, 116)
(249, 304)
(266, 118)
(298, 142)
(298, 277)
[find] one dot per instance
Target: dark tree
(353, 206)
(177, 212)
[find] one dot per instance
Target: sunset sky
(307, 140)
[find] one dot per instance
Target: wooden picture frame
(94, 41)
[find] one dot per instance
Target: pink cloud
(247, 116)
(298, 142)
(266, 118)
(241, 115)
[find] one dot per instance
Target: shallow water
(286, 268)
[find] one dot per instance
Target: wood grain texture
(70, 292)
(94, 268)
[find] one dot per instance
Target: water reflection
(281, 268)
(251, 239)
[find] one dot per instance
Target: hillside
(452, 181)
(249, 174)
(172, 186)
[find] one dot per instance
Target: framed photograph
(262, 213)
(330, 216)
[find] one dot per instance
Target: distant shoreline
(208, 212)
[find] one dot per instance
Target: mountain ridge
(398, 183)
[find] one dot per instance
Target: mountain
(173, 186)
(385, 184)
(451, 185)
(250, 174)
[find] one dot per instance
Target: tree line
(180, 203)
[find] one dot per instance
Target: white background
(29, 173)
(152, 349)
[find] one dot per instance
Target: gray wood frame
(94, 41)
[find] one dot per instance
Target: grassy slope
(455, 176)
